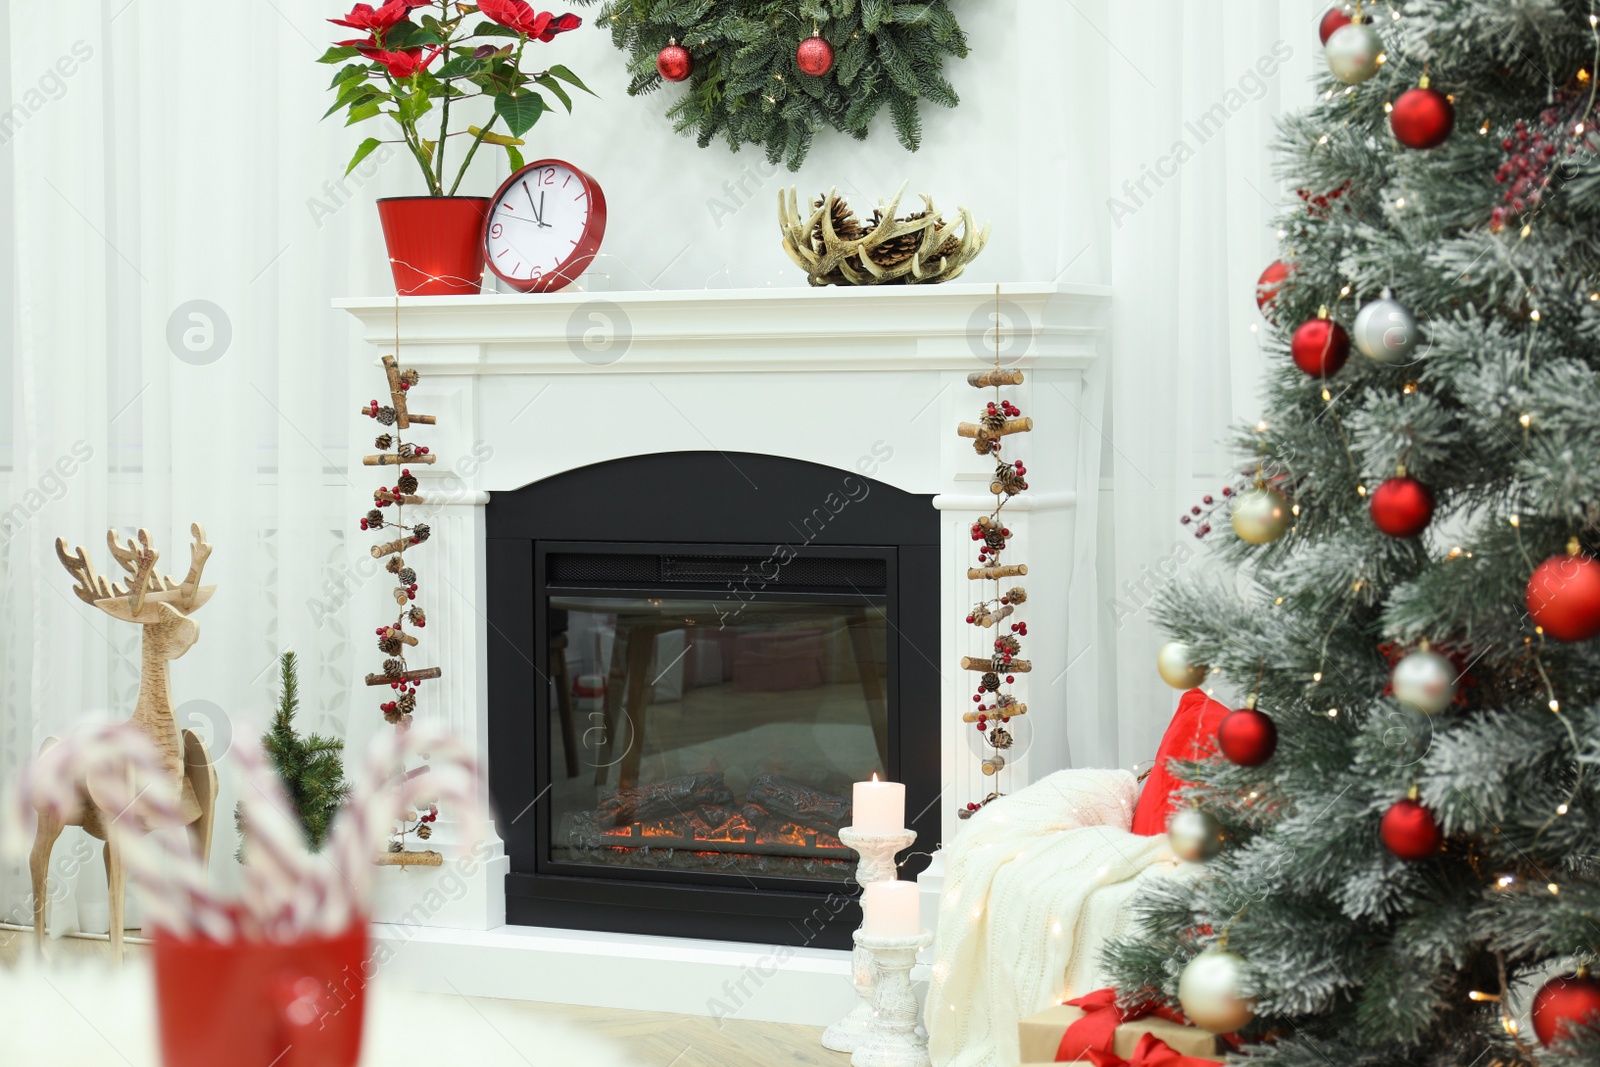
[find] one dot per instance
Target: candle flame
(874, 776)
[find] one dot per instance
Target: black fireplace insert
(692, 656)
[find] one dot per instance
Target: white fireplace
(526, 388)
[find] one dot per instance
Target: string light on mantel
(995, 704)
(388, 515)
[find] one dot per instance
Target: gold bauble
(1177, 668)
(1195, 835)
(1261, 515)
(1208, 989)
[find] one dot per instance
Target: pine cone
(1017, 595)
(983, 445)
(991, 681)
(420, 532)
(410, 377)
(424, 831)
(1011, 483)
(407, 576)
(375, 517)
(1009, 644)
(994, 537)
(407, 703)
(389, 644)
(395, 846)
(1001, 737)
(383, 442)
(385, 416)
(1005, 700)
(979, 613)
(407, 450)
(394, 666)
(992, 420)
(417, 616)
(394, 564)
(845, 224)
(407, 483)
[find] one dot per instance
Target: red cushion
(1191, 735)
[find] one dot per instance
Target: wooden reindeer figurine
(162, 607)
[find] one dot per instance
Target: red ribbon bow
(1151, 1051)
(1093, 1034)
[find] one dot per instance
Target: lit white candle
(891, 909)
(879, 807)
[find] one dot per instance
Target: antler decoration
(995, 705)
(837, 248)
(145, 583)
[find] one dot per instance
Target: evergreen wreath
(746, 85)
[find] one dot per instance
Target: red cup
(262, 1003)
(435, 243)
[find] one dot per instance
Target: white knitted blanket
(1035, 885)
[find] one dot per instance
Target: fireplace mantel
(868, 381)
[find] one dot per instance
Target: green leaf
(354, 94)
(461, 67)
(427, 149)
(362, 112)
(494, 138)
(494, 29)
(353, 70)
(520, 110)
(570, 78)
(555, 87)
(409, 35)
(366, 149)
(414, 106)
(338, 52)
(514, 157)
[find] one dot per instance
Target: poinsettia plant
(422, 54)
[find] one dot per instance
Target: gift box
(1094, 1029)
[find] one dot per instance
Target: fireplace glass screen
(713, 735)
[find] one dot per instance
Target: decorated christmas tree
(1400, 829)
(312, 768)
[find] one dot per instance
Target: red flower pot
(255, 1003)
(435, 243)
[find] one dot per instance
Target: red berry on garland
(674, 62)
(1562, 1003)
(1270, 283)
(1409, 831)
(1332, 20)
(1422, 117)
(1401, 506)
(814, 56)
(1246, 736)
(1563, 595)
(1320, 346)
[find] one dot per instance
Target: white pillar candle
(879, 807)
(891, 909)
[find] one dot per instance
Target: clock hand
(543, 223)
(531, 206)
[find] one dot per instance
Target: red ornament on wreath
(674, 62)
(1409, 830)
(1334, 18)
(1269, 285)
(1563, 595)
(1422, 117)
(814, 56)
(1246, 736)
(1401, 506)
(1562, 1003)
(1320, 346)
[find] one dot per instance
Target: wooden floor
(651, 1039)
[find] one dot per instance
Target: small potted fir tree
(421, 57)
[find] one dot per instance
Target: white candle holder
(877, 852)
(895, 1037)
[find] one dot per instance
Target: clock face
(544, 226)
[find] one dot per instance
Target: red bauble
(1422, 118)
(674, 62)
(814, 56)
(1409, 831)
(1332, 20)
(1320, 347)
(1247, 737)
(1564, 597)
(1269, 283)
(1401, 506)
(1563, 1002)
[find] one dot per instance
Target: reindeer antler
(199, 552)
(920, 248)
(139, 560)
(91, 587)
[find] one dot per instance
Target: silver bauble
(1177, 667)
(1385, 331)
(1426, 681)
(1195, 835)
(1260, 514)
(1352, 52)
(1208, 989)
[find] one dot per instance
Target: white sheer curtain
(176, 221)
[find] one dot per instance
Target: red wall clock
(544, 226)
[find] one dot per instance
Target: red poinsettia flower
(517, 15)
(403, 64)
(365, 17)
